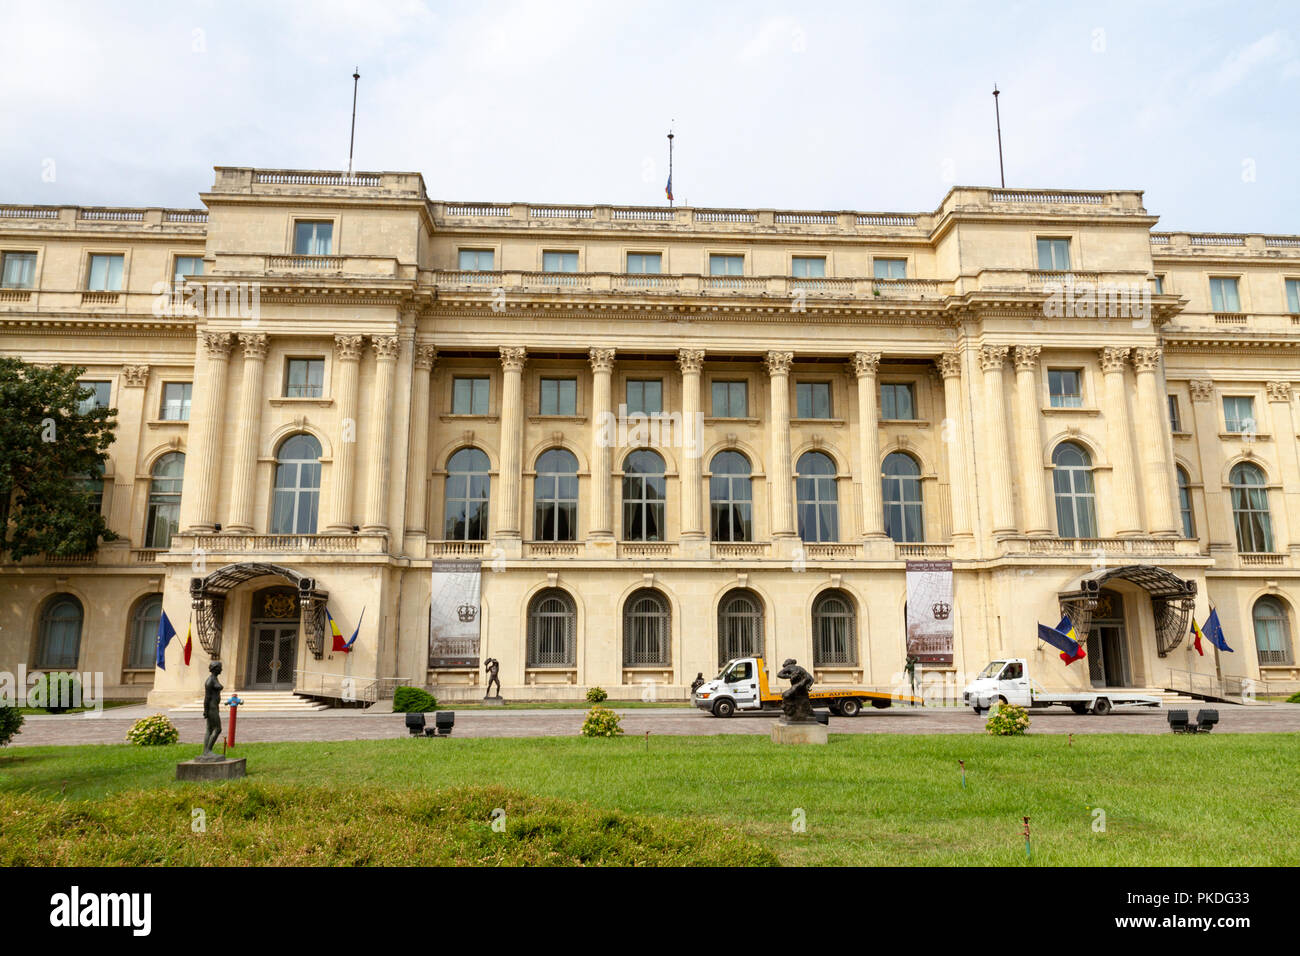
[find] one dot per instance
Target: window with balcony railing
(1054, 255)
(313, 238)
(1223, 294)
(644, 263)
(889, 268)
(808, 267)
(105, 273)
(477, 260)
(17, 270)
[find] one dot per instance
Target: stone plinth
(223, 769)
(494, 702)
(799, 733)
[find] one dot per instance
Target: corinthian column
(1123, 486)
(417, 473)
(347, 355)
(603, 432)
(992, 358)
(778, 370)
(205, 442)
(249, 424)
(1157, 475)
(378, 463)
(1033, 491)
(512, 436)
(953, 432)
(691, 362)
(865, 365)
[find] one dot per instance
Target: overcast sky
(797, 105)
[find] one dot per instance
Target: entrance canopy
(208, 598)
(1172, 599)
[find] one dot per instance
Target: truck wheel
(850, 708)
(724, 708)
(1101, 707)
(1002, 700)
(1079, 708)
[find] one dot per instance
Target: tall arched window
(555, 496)
(552, 629)
(819, 508)
(900, 487)
(1076, 503)
(834, 629)
(164, 500)
(1250, 512)
(1272, 632)
(465, 514)
(731, 503)
(142, 640)
(91, 484)
(644, 489)
(740, 626)
(1185, 503)
(645, 630)
(59, 638)
(296, 500)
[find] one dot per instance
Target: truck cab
(741, 685)
(1001, 681)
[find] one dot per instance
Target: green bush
(413, 700)
(601, 722)
(56, 692)
(1294, 699)
(596, 695)
(1008, 721)
(11, 719)
(154, 731)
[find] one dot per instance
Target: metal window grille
(646, 630)
(834, 630)
(552, 627)
(740, 627)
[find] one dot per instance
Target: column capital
(1202, 389)
(992, 357)
(348, 347)
(602, 360)
(1278, 391)
(386, 347)
(690, 361)
(1113, 359)
(217, 344)
(513, 358)
(778, 363)
(254, 344)
(865, 363)
(135, 376)
(425, 356)
(949, 364)
(1026, 357)
(1146, 360)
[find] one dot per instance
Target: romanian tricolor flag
(1063, 638)
(338, 635)
(1197, 635)
(189, 642)
(668, 189)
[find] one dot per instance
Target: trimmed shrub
(1008, 721)
(1294, 699)
(154, 731)
(11, 719)
(56, 692)
(413, 700)
(602, 722)
(596, 695)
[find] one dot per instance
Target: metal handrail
(1206, 685)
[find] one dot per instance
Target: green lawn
(561, 705)
(866, 799)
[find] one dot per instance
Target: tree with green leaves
(53, 446)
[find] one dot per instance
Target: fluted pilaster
(379, 460)
(865, 365)
(512, 435)
(417, 473)
(1157, 474)
(205, 437)
(1123, 480)
(992, 359)
(347, 360)
(952, 434)
(1029, 442)
(780, 483)
(249, 425)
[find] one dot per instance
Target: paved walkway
(110, 727)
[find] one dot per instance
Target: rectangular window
(559, 262)
(559, 396)
(94, 395)
(808, 267)
(812, 399)
(644, 263)
(469, 396)
(645, 396)
(1054, 255)
(176, 401)
(304, 378)
(1065, 387)
(1292, 294)
(1239, 413)
(312, 238)
(105, 273)
(18, 270)
(897, 402)
(730, 399)
(1175, 420)
(477, 260)
(1223, 295)
(1160, 285)
(890, 268)
(187, 266)
(726, 265)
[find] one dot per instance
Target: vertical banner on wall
(929, 611)
(454, 614)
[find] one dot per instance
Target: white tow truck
(742, 685)
(1007, 681)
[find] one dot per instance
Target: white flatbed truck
(1007, 681)
(742, 685)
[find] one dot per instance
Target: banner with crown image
(454, 614)
(929, 611)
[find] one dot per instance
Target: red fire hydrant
(234, 703)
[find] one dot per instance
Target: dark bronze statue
(493, 667)
(212, 712)
(695, 684)
(795, 705)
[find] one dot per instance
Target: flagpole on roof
(670, 167)
(352, 137)
(998, 114)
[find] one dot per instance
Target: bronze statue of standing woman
(212, 712)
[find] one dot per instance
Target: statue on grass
(212, 712)
(795, 705)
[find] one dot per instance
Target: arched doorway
(273, 639)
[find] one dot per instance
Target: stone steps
(258, 701)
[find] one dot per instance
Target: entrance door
(272, 655)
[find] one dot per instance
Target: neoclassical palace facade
(666, 435)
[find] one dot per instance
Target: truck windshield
(722, 674)
(993, 669)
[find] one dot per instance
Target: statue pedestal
(497, 701)
(223, 769)
(800, 732)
